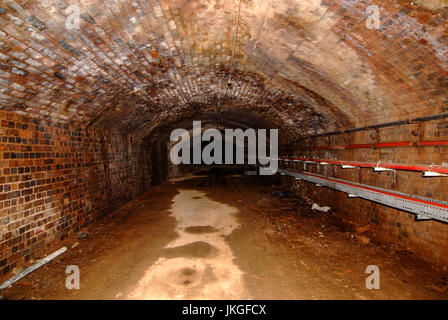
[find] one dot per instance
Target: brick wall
(429, 239)
(56, 179)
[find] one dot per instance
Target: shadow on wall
(160, 163)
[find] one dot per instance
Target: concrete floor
(199, 263)
(227, 237)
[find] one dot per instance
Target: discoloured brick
(71, 166)
(82, 110)
(390, 224)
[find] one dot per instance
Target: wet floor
(227, 237)
(199, 263)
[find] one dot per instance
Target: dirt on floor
(228, 236)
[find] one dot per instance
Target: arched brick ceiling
(312, 65)
(231, 120)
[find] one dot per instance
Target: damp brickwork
(428, 239)
(57, 179)
(78, 99)
(313, 65)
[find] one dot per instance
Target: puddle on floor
(199, 263)
(187, 177)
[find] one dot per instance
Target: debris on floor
(362, 239)
(286, 250)
(83, 234)
(279, 194)
(17, 270)
(319, 208)
(24, 272)
(362, 229)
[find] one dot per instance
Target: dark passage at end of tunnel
(356, 91)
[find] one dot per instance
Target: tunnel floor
(227, 236)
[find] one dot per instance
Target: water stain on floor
(199, 263)
(225, 237)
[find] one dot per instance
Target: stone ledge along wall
(57, 179)
(428, 239)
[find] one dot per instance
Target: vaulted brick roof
(310, 66)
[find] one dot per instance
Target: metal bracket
(422, 217)
(379, 169)
(433, 174)
(424, 208)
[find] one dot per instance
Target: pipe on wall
(399, 144)
(375, 165)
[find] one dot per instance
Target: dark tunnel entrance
(158, 141)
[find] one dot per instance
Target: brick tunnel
(91, 92)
